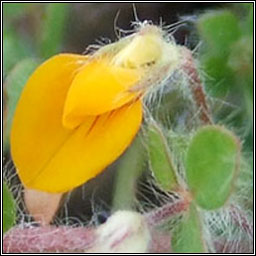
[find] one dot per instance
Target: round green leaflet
(211, 164)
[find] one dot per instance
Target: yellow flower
(77, 114)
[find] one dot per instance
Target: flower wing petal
(98, 88)
(90, 149)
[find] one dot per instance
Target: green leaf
(246, 20)
(53, 28)
(187, 235)
(14, 10)
(241, 57)
(219, 29)
(250, 19)
(160, 158)
(8, 209)
(211, 165)
(221, 75)
(14, 50)
(13, 87)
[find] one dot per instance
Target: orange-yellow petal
(98, 88)
(88, 150)
(37, 131)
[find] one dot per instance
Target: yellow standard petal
(52, 158)
(37, 131)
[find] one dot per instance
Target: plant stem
(196, 86)
(48, 239)
(81, 239)
(162, 214)
(241, 220)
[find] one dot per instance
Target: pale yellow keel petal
(42, 205)
(37, 131)
(98, 88)
(87, 152)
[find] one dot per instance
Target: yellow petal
(37, 131)
(98, 88)
(89, 149)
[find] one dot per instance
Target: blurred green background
(224, 32)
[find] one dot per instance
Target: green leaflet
(160, 159)
(219, 29)
(8, 209)
(211, 165)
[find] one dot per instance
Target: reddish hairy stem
(81, 239)
(48, 239)
(233, 246)
(160, 242)
(189, 67)
(241, 220)
(165, 212)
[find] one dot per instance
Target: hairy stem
(240, 218)
(196, 86)
(48, 239)
(162, 214)
(80, 239)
